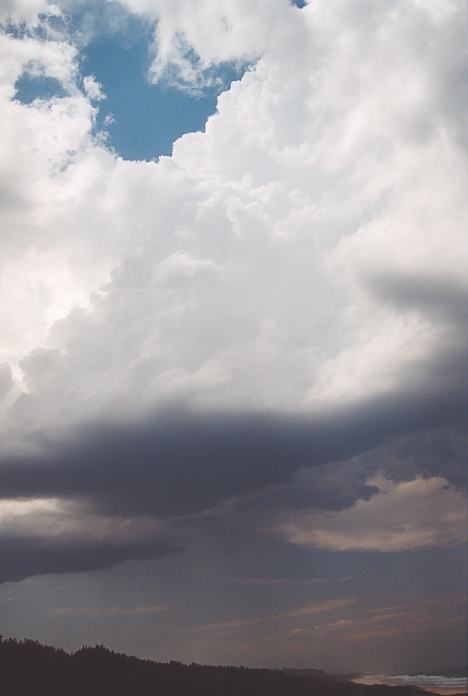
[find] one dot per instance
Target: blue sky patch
(30, 87)
(142, 119)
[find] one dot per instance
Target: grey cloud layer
(24, 556)
(180, 463)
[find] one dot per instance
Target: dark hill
(28, 668)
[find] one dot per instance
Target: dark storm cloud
(332, 487)
(435, 453)
(22, 557)
(181, 463)
(335, 487)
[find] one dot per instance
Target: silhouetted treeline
(28, 668)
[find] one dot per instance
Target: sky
(233, 389)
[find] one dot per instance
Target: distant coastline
(436, 683)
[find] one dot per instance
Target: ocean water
(437, 683)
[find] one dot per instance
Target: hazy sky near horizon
(233, 388)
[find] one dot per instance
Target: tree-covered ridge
(28, 668)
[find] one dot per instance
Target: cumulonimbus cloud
(288, 289)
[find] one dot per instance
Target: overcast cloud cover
(262, 338)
